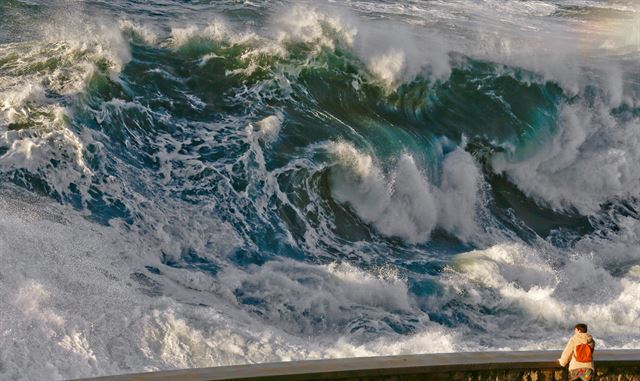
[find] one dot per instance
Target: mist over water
(190, 184)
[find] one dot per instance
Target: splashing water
(213, 183)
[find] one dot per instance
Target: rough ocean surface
(200, 183)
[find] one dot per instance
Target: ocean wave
(404, 203)
(278, 182)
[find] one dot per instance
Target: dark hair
(581, 327)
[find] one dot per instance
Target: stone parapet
(611, 365)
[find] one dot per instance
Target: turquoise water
(216, 182)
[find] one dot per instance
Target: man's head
(580, 327)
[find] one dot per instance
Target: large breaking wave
(203, 184)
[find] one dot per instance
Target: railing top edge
(364, 365)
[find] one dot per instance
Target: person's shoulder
(582, 337)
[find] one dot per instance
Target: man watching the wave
(578, 353)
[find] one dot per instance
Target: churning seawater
(201, 183)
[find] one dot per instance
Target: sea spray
(192, 185)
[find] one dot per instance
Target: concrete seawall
(618, 365)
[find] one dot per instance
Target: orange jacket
(568, 353)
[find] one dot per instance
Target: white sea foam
(514, 277)
(144, 32)
(78, 294)
(590, 160)
(84, 43)
(531, 35)
(526, 35)
(404, 209)
(316, 300)
(16, 103)
(99, 318)
(403, 203)
(217, 30)
(393, 54)
(388, 66)
(34, 153)
(270, 127)
(311, 25)
(523, 35)
(34, 88)
(459, 194)
(396, 55)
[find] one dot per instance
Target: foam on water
(545, 292)
(35, 90)
(228, 211)
(101, 318)
(269, 128)
(143, 32)
(79, 301)
(404, 203)
(589, 161)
